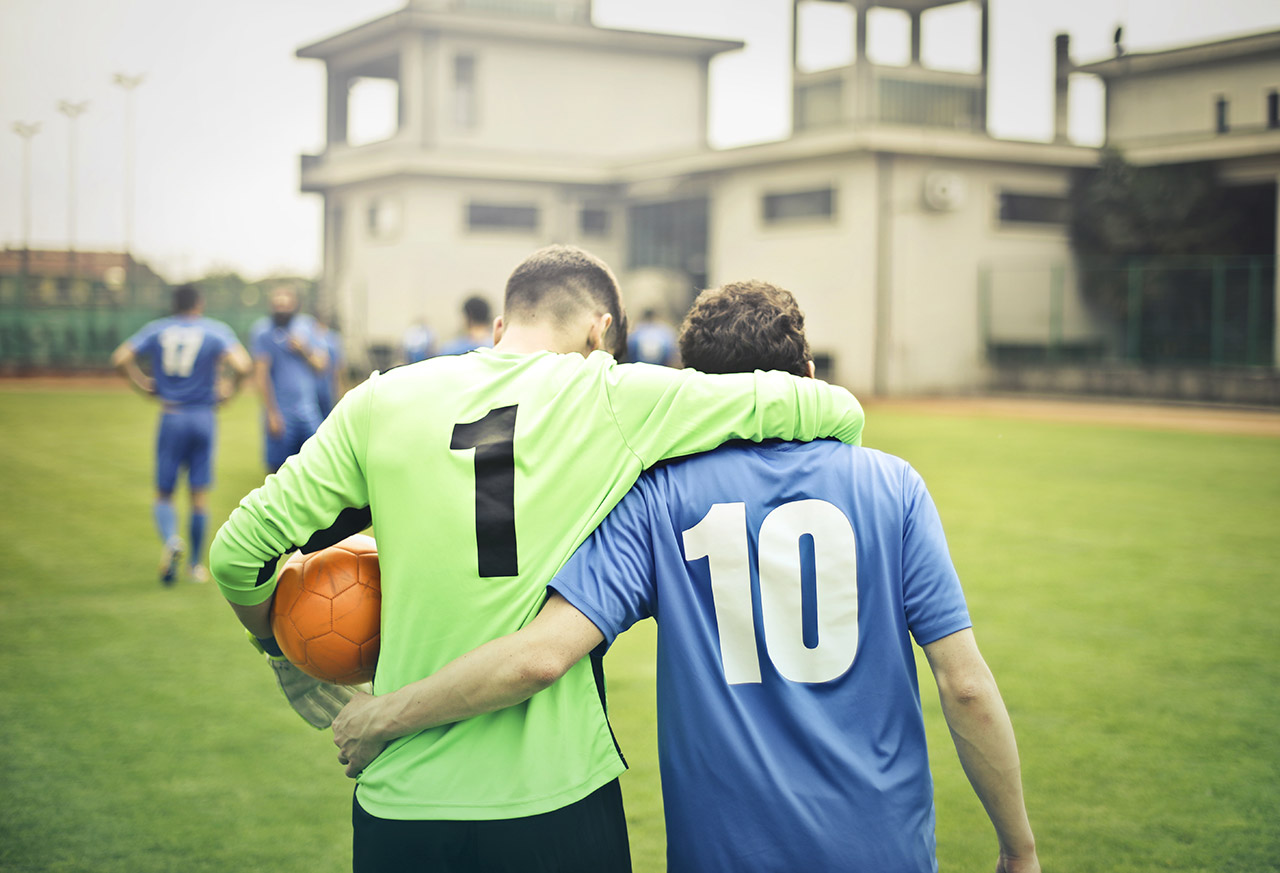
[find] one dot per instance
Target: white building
(520, 123)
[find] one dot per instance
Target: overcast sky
(226, 108)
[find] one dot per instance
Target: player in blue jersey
(187, 356)
(478, 333)
(287, 354)
(788, 581)
(651, 341)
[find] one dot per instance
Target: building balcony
(871, 94)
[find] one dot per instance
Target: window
(1273, 110)
(1033, 209)
(799, 205)
(1221, 113)
(593, 221)
(497, 216)
(464, 92)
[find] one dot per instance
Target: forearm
(984, 740)
(256, 618)
(498, 674)
(262, 380)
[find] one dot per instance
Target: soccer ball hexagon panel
(327, 612)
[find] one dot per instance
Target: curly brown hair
(745, 326)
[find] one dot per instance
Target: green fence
(41, 338)
(1202, 311)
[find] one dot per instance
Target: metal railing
(1197, 311)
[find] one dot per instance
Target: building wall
(426, 261)
(539, 99)
(912, 322)
(829, 265)
(935, 330)
(1183, 102)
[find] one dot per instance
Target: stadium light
(26, 130)
(72, 111)
(128, 83)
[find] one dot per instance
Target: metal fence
(1203, 311)
(79, 337)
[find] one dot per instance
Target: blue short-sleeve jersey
(292, 379)
(651, 343)
(787, 580)
(184, 352)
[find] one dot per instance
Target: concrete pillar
(1061, 79)
(336, 105)
(915, 37)
(862, 109)
(416, 121)
(984, 34)
(795, 37)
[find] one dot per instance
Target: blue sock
(166, 520)
(199, 518)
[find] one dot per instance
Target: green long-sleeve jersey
(481, 474)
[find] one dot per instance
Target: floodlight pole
(128, 83)
(26, 130)
(72, 111)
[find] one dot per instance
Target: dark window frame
(483, 216)
(1023, 208)
(805, 205)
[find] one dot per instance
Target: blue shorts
(186, 439)
(297, 430)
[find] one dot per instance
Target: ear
(596, 333)
(499, 328)
(812, 369)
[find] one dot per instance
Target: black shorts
(589, 836)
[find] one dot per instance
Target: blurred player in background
(652, 341)
(288, 353)
(419, 342)
(481, 474)
(195, 363)
(788, 580)
(329, 380)
(478, 333)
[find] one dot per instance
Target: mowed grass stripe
(1123, 584)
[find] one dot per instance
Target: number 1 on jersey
(493, 438)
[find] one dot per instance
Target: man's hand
(275, 423)
(297, 346)
(355, 736)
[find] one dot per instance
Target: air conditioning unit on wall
(942, 191)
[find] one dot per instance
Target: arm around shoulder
(985, 743)
(667, 413)
(498, 674)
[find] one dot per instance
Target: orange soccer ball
(327, 613)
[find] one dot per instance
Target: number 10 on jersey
(805, 544)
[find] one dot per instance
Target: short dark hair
(476, 310)
(560, 280)
(745, 326)
(186, 298)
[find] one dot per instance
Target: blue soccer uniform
(293, 382)
(185, 354)
(787, 581)
(651, 343)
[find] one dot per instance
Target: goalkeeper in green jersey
(481, 474)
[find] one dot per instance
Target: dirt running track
(1157, 416)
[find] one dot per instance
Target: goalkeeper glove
(317, 702)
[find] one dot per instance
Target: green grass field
(1123, 584)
